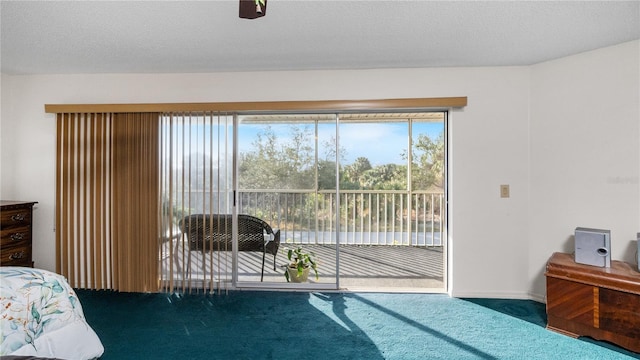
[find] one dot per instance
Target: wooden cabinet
(602, 303)
(16, 219)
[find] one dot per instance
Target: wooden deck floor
(362, 267)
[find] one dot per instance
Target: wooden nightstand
(16, 219)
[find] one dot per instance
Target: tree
(385, 177)
(255, 166)
(354, 171)
(428, 163)
(277, 164)
(274, 163)
(326, 175)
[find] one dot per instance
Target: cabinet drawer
(15, 217)
(16, 256)
(15, 236)
(570, 301)
(620, 313)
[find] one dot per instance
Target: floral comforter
(42, 316)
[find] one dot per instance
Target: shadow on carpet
(298, 325)
(536, 313)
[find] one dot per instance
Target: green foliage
(354, 172)
(428, 163)
(276, 163)
(385, 177)
(300, 260)
(326, 175)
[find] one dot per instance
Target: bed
(41, 316)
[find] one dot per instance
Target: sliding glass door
(286, 168)
(362, 193)
(392, 198)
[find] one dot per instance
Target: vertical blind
(107, 200)
(196, 178)
(124, 183)
(83, 173)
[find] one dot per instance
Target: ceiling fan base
(249, 9)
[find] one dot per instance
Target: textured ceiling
(40, 37)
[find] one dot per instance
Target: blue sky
(381, 143)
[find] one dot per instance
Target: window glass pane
(279, 160)
(327, 155)
(428, 153)
(279, 154)
(373, 154)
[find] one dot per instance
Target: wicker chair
(213, 232)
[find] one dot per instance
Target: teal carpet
(298, 325)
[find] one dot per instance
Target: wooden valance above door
(302, 106)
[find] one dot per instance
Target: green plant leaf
(301, 260)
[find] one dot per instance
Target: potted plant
(300, 262)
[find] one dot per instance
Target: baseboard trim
(500, 295)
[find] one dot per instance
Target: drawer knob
(16, 256)
(17, 236)
(18, 217)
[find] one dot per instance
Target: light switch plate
(504, 191)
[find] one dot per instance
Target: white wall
(2, 111)
(585, 153)
(490, 146)
(538, 129)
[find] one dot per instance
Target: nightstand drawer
(15, 236)
(16, 256)
(15, 217)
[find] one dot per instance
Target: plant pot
(294, 277)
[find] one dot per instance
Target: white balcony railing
(366, 217)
